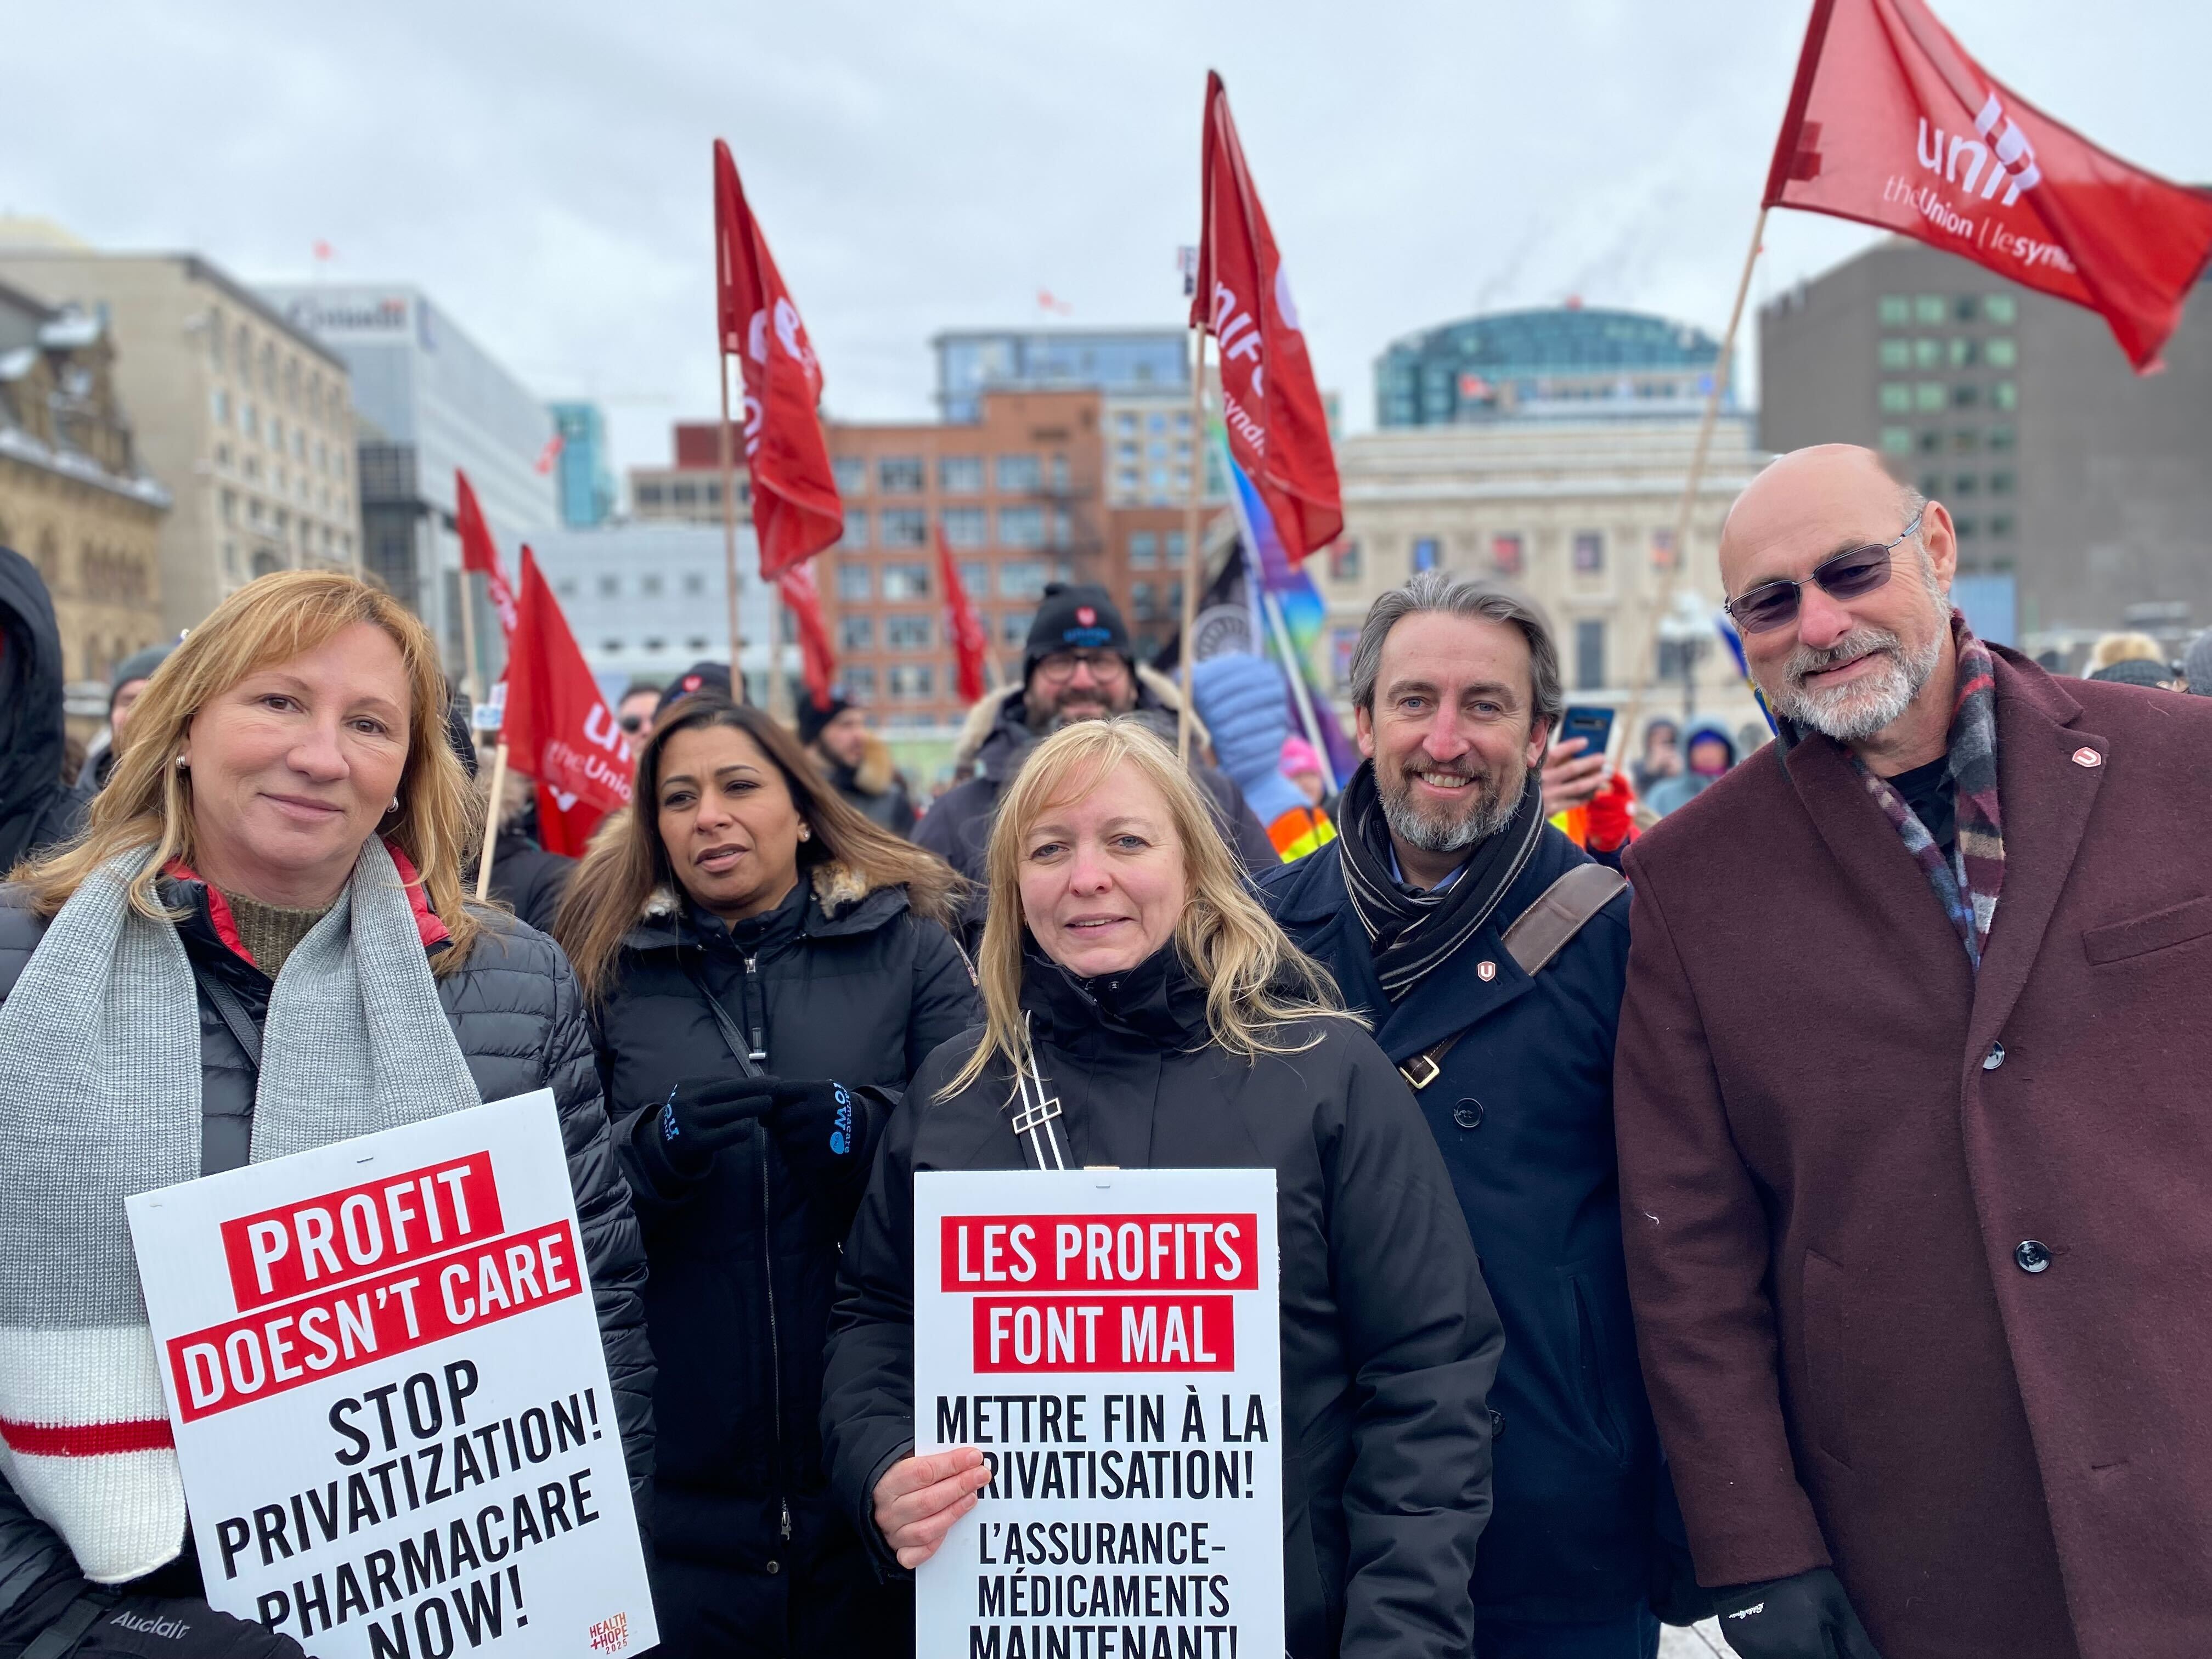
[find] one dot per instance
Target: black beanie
(711, 677)
(1075, 616)
(812, 720)
(138, 665)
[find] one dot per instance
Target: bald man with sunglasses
(1914, 1139)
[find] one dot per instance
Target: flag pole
(729, 528)
(1193, 558)
(779, 681)
(1691, 482)
(468, 646)
(491, 821)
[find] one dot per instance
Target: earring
(804, 834)
(181, 765)
(394, 807)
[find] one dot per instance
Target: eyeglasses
(1851, 574)
(633, 724)
(1105, 667)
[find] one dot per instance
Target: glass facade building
(586, 482)
(1565, 361)
(1118, 362)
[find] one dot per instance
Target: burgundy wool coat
(1921, 1267)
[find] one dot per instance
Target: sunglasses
(1851, 574)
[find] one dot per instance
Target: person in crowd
(1712, 755)
(1662, 757)
(37, 808)
(524, 876)
(641, 701)
(702, 676)
(1079, 666)
(1912, 1152)
(130, 680)
(1300, 761)
(2196, 666)
(1125, 960)
(2156, 673)
(2119, 648)
(1246, 705)
(1426, 910)
(259, 946)
(766, 968)
(857, 762)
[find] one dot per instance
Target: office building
(689, 489)
(243, 417)
(431, 400)
(586, 484)
(646, 601)
(74, 499)
(1565, 362)
(2082, 491)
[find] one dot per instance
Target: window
(698, 645)
(568, 587)
(1125, 421)
(610, 587)
(1171, 548)
(1022, 579)
(1144, 550)
(1931, 484)
(1999, 308)
(1344, 561)
(1509, 554)
(1965, 484)
(694, 583)
(1966, 526)
(906, 581)
(1590, 552)
(961, 475)
(906, 633)
(904, 527)
(1424, 555)
(219, 400)
(2000, 524)
(1018, 475)
(974, 577)
(1897, 441)
(1021, 526)
(1896, 353)
(2001, 483)
(611, 647)
(1930, 396)
(1063, 527)
(1930, 308)
(856, 633)
(899, 475)
(1896, 398)
(649, 494)
(2002, 352)
(1928, 354)
(2004, 395)
(1965, 352)
(1014, 626)
(1966, 441)
(1662, 549)
(249, 418)
(852, 474)
(1965, 395)
(1589, 654)
(964, 526)
(855, 584)
(913, 682)
(1894, 309)
(649, 584)
(1962, 307)
(856, 527)
(711, 493)
(860, 684)
(2000, 437)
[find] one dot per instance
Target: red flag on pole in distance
(817, 662)
(796, 513)
(970, 641)
(558, 728)
(479, 553)
(1277, 430)
(1890, 123)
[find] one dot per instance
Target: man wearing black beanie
(857, 762)
(1077, 665)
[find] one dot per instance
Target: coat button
(2032, 1255)
(1496, 1423)
(1995, 1058)
(774, 1568)
(1468, 1115)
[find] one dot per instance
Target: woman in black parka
(766, 970)
(1177, 1028)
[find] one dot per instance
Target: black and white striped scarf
(1411, 934)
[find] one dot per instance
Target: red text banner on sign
(1106, 1333)
(1043, 1253)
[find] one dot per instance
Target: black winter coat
(37, 808)
(1523, 1111)
(529, 880)
(1389, 1339)
(517, 1014)
(838, 984)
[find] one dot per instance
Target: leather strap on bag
(1538, 934)
(232, 1013)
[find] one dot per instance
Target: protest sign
(391, 1404)
(1109, 1340)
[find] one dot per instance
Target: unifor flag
(1277, 430)
(817, 662)
(558, 728)
(795, 508)
(1890, 123)
(479, 554)
(970, 641)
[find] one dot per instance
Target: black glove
(701, 1116)
(1807, 1617)
(143, 1626)
(820, 1129)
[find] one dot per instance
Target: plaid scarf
(1967, 889)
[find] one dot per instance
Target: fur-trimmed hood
(838, 893)
(1000, 711)
(876, 773)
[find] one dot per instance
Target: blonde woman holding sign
(1178, 1028)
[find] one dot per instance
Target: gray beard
(1853, 714)
(1491, 810)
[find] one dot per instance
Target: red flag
(559, 729)
(970, 641)
(796, 513)
(479, 553)
(1890, 123)
(1277, 430)
(804, 600)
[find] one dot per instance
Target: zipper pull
(759, 1053)
(787, 1520)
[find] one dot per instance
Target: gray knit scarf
(100, 1098)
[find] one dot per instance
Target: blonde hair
(274, 619)
(1256, 982)
(628, 861)
(2123, 648)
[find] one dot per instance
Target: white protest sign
(391, 1404)
(1109, 1339)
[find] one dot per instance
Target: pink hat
(1298, 755)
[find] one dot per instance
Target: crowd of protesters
(1756, 1185)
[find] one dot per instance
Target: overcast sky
(542, 170)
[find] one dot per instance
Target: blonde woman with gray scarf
(259, 946)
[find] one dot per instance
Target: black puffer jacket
(516, 1011)
(37, 808)
(1388, 1338)
(839, 982)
